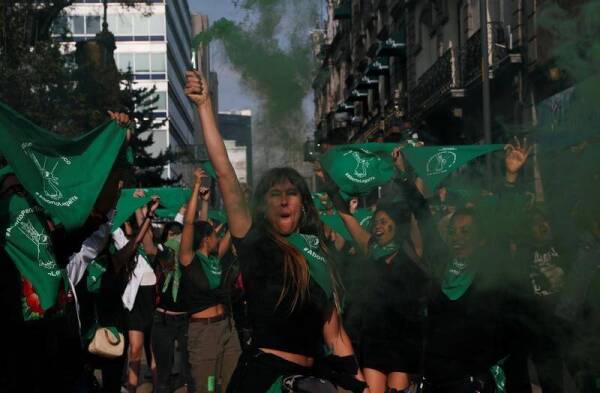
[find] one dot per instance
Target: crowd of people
(458, 292)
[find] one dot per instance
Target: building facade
(236, 126)
(155, 41)
(390, 68)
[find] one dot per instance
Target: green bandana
(212, 269)
(499, 377)
(335, 222)
(378, 252)
(209, 169)
(217, 215)
(174, 275)
(95, 270)
(277, 386)
(171, 199)
(364, 217)
(27, 242)
(64, 175)
(434, 163)
(357, 169)
(308, 245)
(457, 279)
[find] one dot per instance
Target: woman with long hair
(213, 344)
(292, 294)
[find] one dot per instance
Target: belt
(206, 321)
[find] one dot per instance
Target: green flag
(335, 222)
(434, 163)
(357, 169)
(171, 199)
(364, 217)
(208, 168)
(64, 175)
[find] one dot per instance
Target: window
(78, 26)
(92, 24)
(140, 25)
(161, 104)
(125, 61)
(124, 25)
(157, 62)
(157, 24)
(142, 62)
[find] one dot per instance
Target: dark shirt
(165, 298)
(195, 292)
(277, 326)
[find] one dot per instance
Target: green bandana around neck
(434, 163)
(175, 274)
(26, 240)
(357, 169)
(95, 270)
(309, 246)
(64, 175)
(378, 252)
(457, 279)
(211, 266)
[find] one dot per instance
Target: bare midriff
(301, 360)
(210, 312)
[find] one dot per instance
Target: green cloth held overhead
(64, 175)
(364, 217)
(357, 169)
(171, 200)
(209, 169)
(217, 215)
(336, 223)
(309, 246)
(434, 163)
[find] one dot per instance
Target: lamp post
(485, 82)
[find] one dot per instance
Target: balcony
(441, 80)
(381, 66)
(368, 83)
(394, 45)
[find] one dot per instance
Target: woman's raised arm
(236, 207)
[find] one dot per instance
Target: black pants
(483, 383)
(166, 330)
(257, 371)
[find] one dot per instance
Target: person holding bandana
(292, 294)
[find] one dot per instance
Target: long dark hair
(296, 274)
(400, 214)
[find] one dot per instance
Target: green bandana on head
(434, 163)
(457, 279)
(335, 222)
(309, 246)
(26, 240)
(357, 169)
(378, 252)
(64, 175)
(212, 269)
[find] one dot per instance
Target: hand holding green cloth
(217, 215)
(357, 169)
(434, 163)
(309, 246)
(64, 175)
(209, 169)
(364, 217)
(335, 222)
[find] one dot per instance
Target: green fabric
(95, 270)
(64, 175)
(457, 279)
(277, 386)
(335, 222)
(209, 169)
(499, 378)
(357, 169)
(171, 200)
(364, 217)
(309, 246)
(212, 269)
(4, 171)
(174, 275)
(217, 215)
(434, 163)
(378, 252)
(316, 197)
(27, 242)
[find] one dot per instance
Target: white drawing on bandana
(361, 165)
(441, 162)
(41, 241)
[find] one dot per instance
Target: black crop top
(195, 292)
(274, 326)
(165, 299)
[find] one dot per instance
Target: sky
(232, 95)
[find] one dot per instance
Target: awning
(358, 95)
(345, 107)
(343, 10)
(395, 45)
(380, 66)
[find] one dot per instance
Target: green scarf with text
(457, 279)
(309, 246)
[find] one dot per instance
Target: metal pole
(485, 82)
